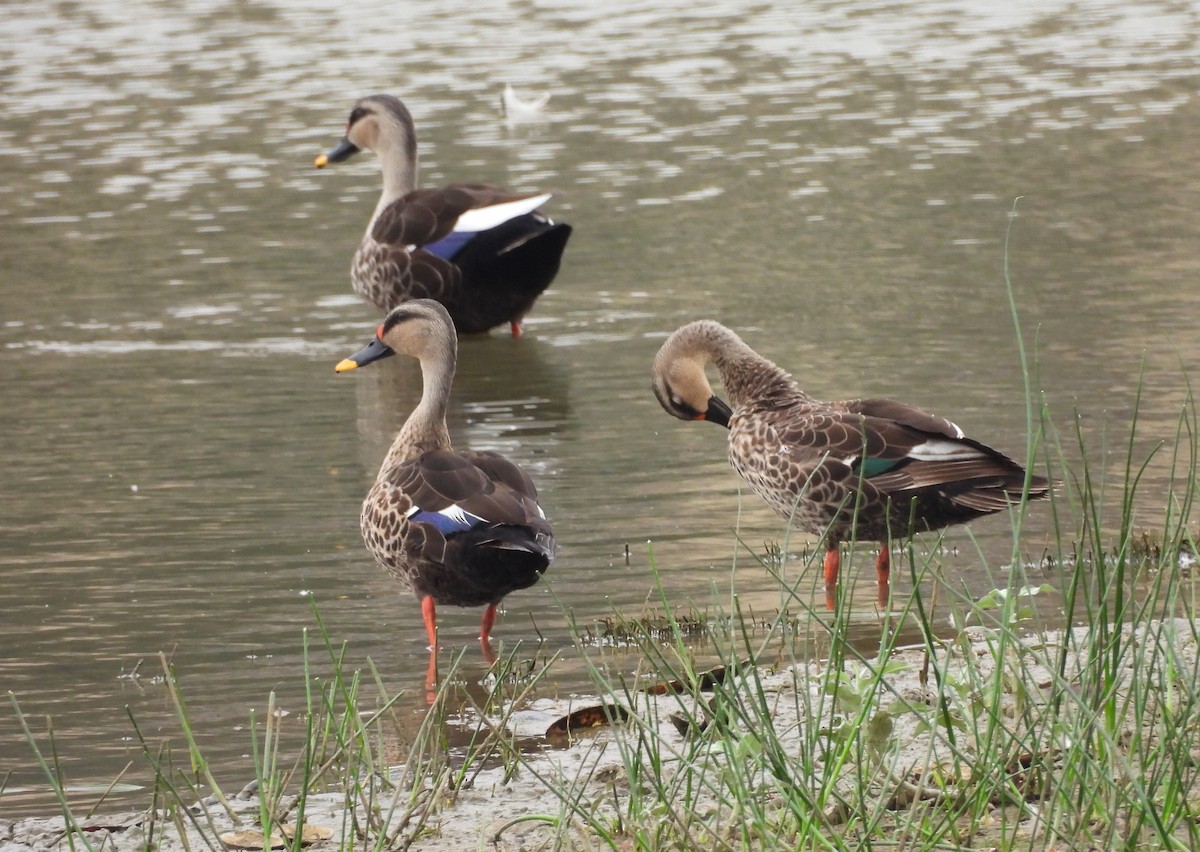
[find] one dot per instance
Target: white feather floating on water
(518, 109)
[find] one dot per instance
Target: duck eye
(356, 114)
(682, 407)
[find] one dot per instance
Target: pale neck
(748, 377)
(399, 177)
(425, 429)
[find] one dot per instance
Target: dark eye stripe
(358, 113)
(394, 319)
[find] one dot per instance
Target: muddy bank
(520, 805)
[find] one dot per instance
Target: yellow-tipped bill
(343, 150)
(373, 351)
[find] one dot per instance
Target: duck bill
(344, 150)
(373, 351)
(718, 412)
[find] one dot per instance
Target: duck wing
(903, 414)
(500, 470)
(462, 493)
(902, 451)
(427, 218)
(484, 253)
(479, 521)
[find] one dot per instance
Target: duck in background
(484, 253)
(863, 469)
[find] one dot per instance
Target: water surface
(182, 469)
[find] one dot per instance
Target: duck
(458, 528)
(484, 252)
(858, 469)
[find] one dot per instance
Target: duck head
(683, 389)
(421, 329)
(379, 123)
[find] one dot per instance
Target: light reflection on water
(182, 463)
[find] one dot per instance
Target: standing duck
(457, 528)
(483, 252)
(855, 469)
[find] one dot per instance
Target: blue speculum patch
(448, 524)
(450, 245)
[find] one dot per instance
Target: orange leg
(429, 613)
(485, 633)
(515, 325)
(883, 572)
(488, 622)
(832, 564)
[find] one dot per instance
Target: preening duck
(457, 528)
(862, 469)
(483, 252)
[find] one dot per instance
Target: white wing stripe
(482, 218)
(943, 451)
(454, 512)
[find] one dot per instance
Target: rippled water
(181, 462)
